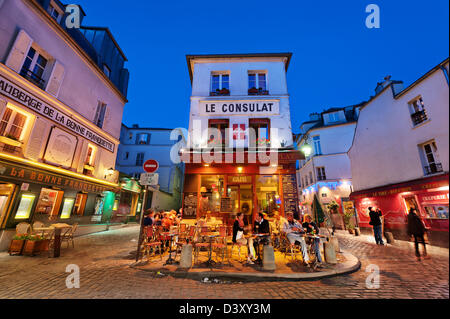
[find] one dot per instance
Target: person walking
(417, 229)
(375, 221)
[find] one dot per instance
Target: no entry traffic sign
(151, 166)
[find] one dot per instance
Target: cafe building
(240, 155)
(58, 136)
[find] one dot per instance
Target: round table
(258, 238)
(169, 260)
(210, 235)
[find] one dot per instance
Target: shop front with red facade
(224, 189)
(430, 196)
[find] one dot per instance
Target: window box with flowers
(35, 244)
(259, 91)
(262, 142)
(220, 92)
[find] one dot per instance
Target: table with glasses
(258, 238)
(211, 236)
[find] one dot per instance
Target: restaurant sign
(243, 107)
(28, 175)
(22, 96)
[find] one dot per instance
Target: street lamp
(306, 149)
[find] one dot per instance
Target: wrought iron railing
(433, 168)
(419, 117)
(33, 77)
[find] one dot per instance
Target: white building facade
(239, 104)
(326, 172)
(62, 95)
(399, 157)
(141, 144)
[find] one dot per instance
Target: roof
(110, 35)
(189, 57)
(148, 128)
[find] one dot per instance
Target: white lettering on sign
(22, 96)
(245, 107)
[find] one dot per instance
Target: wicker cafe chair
(221, 243)
(287, 247)
(187, 238)
(200, 244)
(23, 228)
(67, 236)
(150, 243)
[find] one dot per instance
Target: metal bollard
(330, 253)
(334, 242)
(186, 256)
(357, 231)
(269, 258)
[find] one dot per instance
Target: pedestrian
(376, 222)
(148, 218)
(417, 229)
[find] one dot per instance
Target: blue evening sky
(336, 61)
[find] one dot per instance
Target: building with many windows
(62, 95)
(325, 173)
(399, 157)
(240, 155)
(138, 144)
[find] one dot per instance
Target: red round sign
(151, 166)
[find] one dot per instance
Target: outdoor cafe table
(211, 235)
(57, 241)
(170, 260)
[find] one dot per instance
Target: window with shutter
(56, 78)
(100, 114)
(19, 51)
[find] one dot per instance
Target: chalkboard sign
(290, 193)
(226, 206)
(190, 206)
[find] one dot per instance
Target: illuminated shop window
(25, 206)
(211, 191)
(67, 208)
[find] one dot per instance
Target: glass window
(211, 190)
(217, 133)
(215, 83)
(100, 114)
(334, 117)
(49, 202)
(310, 177)
(259, 132)
(267, 193)
(321, 173)
(12, 124)
(317, 147)
(143, 138)
(80, 203)
(252, 81)
(139, 159)
(90, 156)
(67, 208)
(25, 206)
(262, 81)
(225, 81)
(219, 82)
(33, 67)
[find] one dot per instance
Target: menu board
(190, 205)
(290, 193)
(226, 206)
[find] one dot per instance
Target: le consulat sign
(240, 107)
(27, 99)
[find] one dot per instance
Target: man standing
(293, 229)
(416, 228)
(375, 221)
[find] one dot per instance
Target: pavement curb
(351, 265)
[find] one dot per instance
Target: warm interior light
(239, 169)
(206, 165)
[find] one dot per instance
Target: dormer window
(333, 117)
(106, 70)
(55, 12)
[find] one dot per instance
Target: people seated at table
(148, 217)
(166, 221)
(293, 230)
(276, 226)
(238, 236)
(157, 220)
(310, 227)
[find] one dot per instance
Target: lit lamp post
(306, 149)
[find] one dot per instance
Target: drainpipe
(445, 73)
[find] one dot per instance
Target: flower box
(16, 246)
(31, 247)
(10, 141)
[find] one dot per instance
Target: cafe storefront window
(49, 202)
(25, 206)
(267, 192)
(211, 190)
(6, 191)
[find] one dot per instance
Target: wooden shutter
(2, 106)
(19, 51)
(37, 140)
(56, 78)
(83, 154)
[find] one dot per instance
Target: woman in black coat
(417, 229)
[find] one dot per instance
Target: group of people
(293, 229)
(165, 219)
(415, 229)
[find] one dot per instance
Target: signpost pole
(141, 223)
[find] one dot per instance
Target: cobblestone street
(104, 260)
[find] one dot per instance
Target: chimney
(314, 116)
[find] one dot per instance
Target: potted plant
(348, 222)
(17, 244)
(333, 207)
(253, 90)
(32, 245)
(224, 91)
